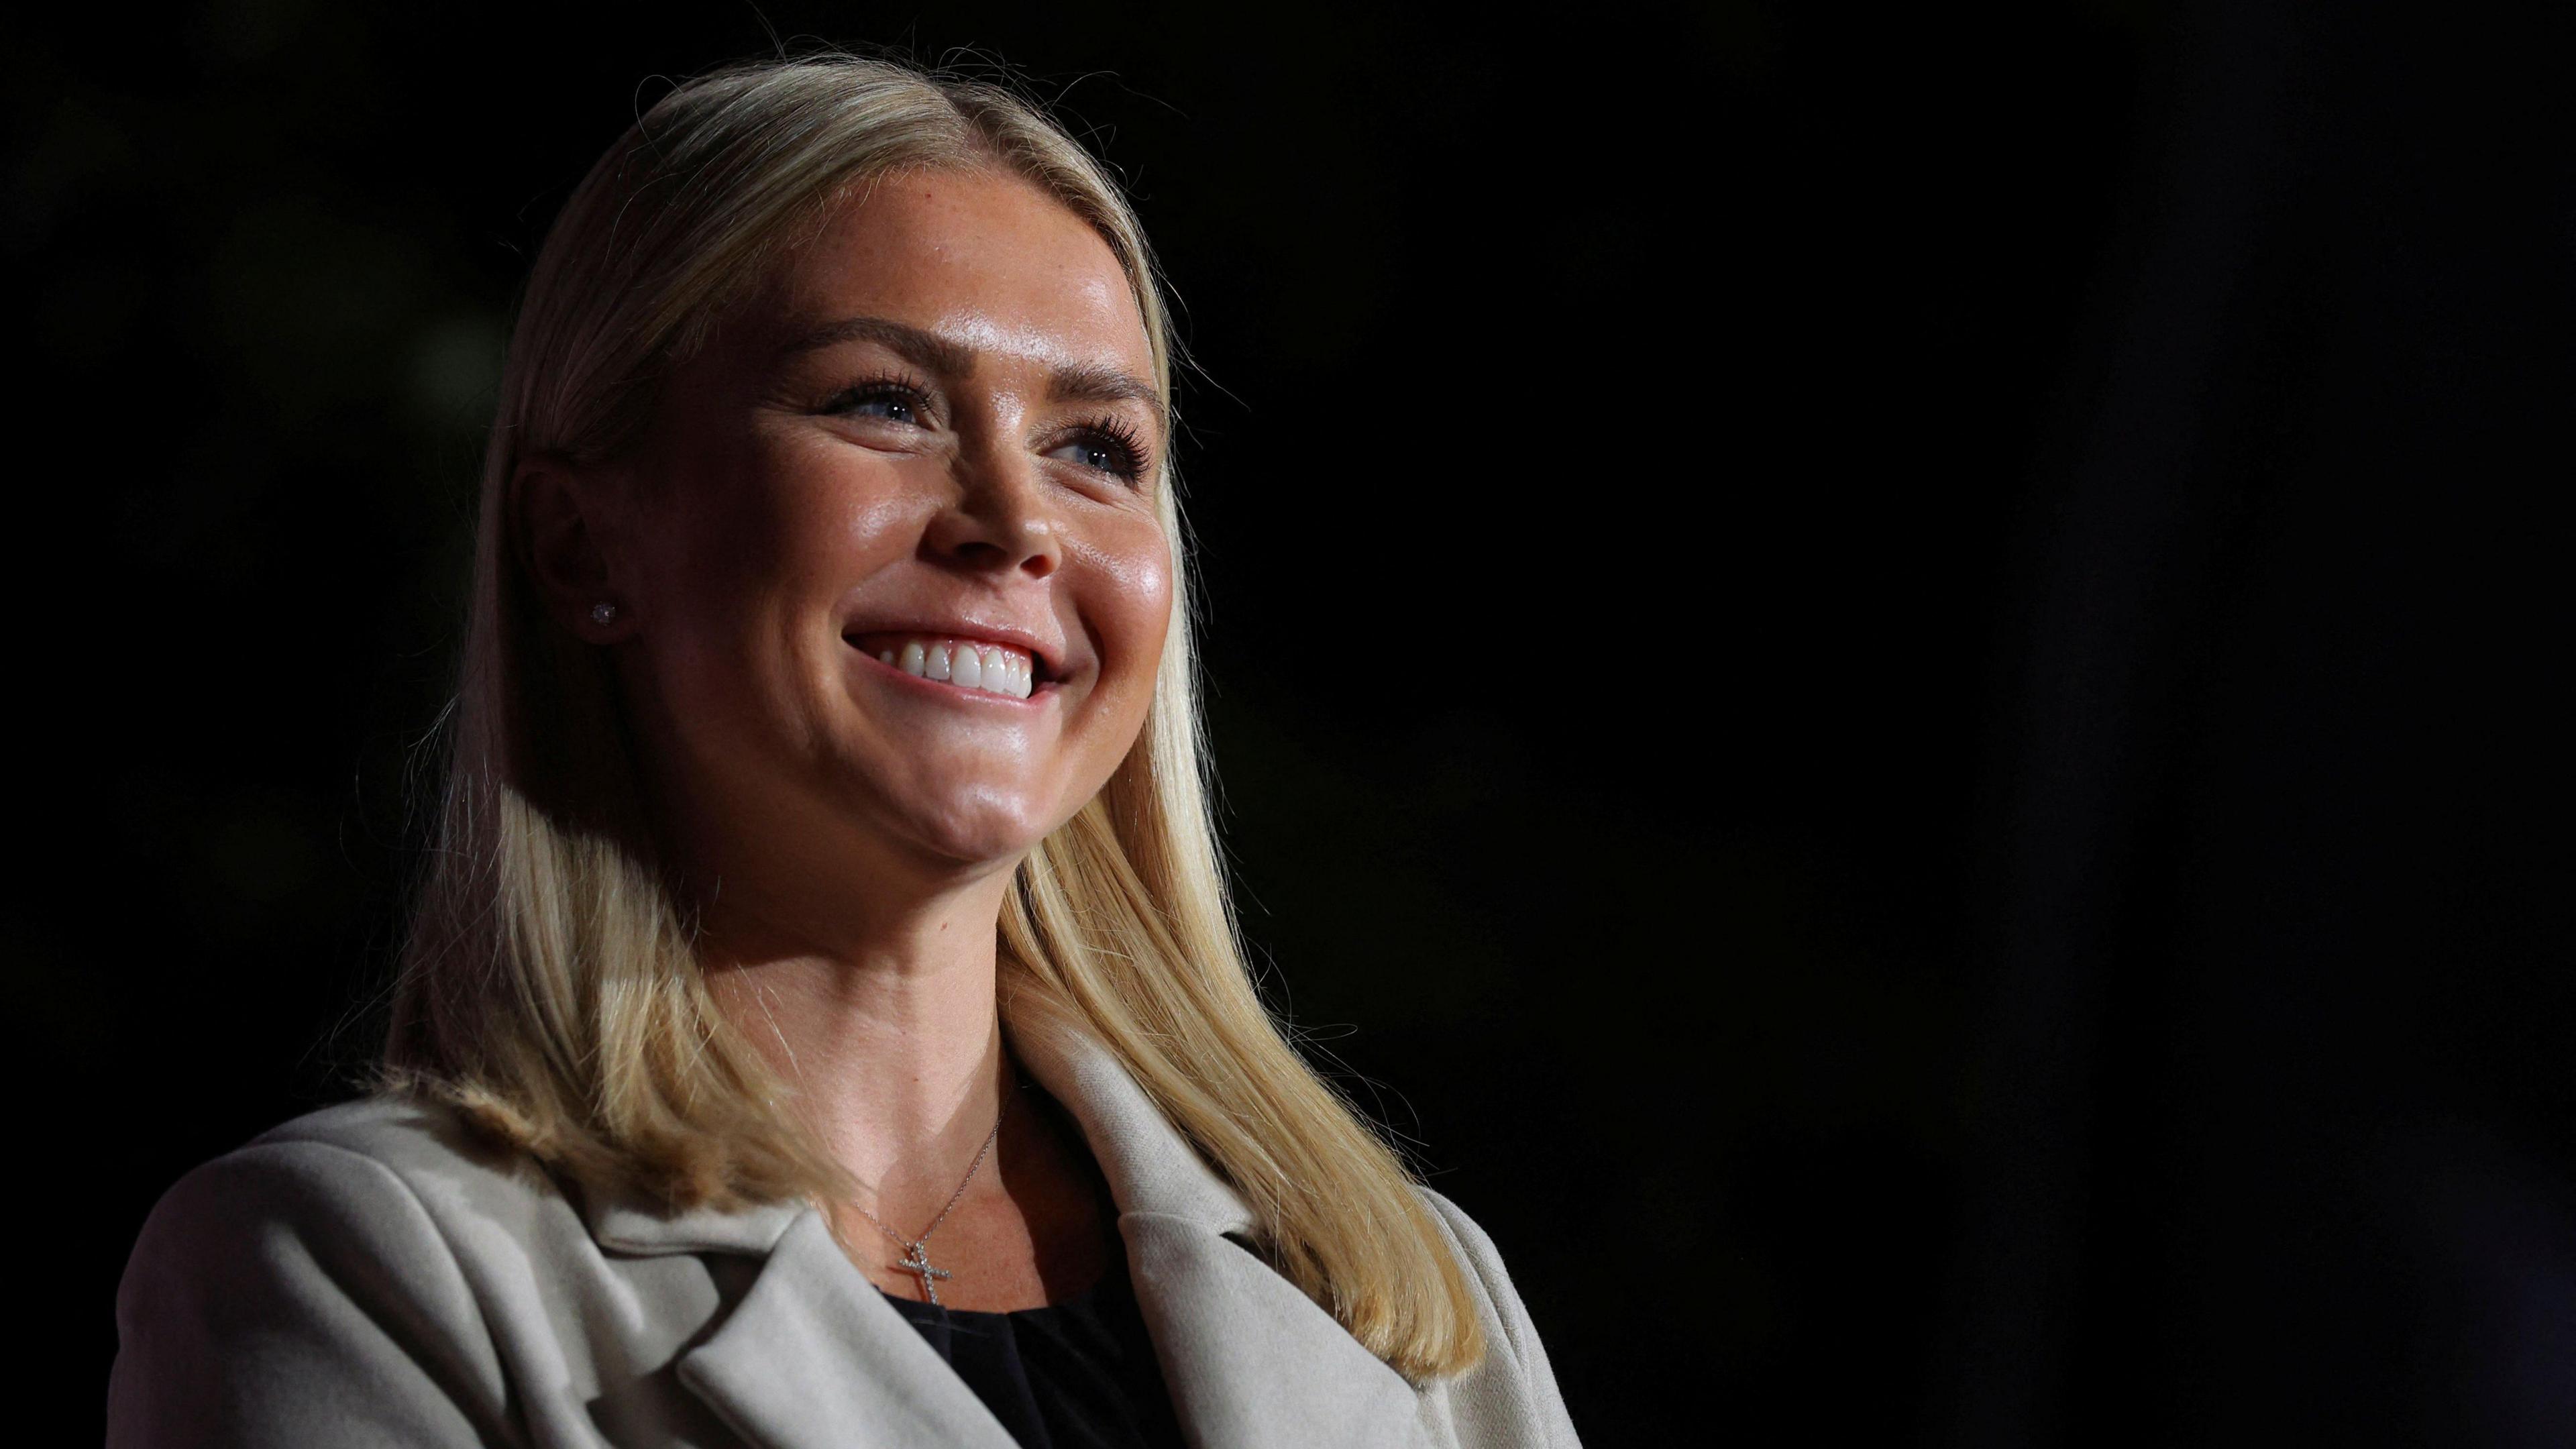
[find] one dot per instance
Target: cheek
(780, 538)
(1134, 570)
(743, 586)
(710, 589)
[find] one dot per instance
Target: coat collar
(1250, 1360)
(813, 1355)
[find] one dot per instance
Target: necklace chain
(917, 1261)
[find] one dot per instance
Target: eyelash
(1113, 435)
(1117, 437)
(909, 391)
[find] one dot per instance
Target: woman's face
(891, 563)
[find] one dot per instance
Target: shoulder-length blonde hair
(549, 986)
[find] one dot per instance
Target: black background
(1891, 679)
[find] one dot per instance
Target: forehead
(984, 260)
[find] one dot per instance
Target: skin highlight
(936, 418)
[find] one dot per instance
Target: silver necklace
(916, 1259)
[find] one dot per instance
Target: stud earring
(603, 613)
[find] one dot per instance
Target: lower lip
(940, 689)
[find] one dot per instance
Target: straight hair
(549, 987)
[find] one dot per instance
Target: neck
(890, 1034)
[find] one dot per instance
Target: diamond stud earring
(603, 613)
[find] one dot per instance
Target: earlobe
(563, 536)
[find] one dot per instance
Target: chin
(991, 829)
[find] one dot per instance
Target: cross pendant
(917, 1262)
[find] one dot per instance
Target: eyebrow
(1067, 382)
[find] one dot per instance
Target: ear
(567, 528)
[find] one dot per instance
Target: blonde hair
(549, 986)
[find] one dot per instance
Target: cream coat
(366, 1276)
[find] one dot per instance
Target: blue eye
(1090, 455)
(896, 402)
(1106, 446)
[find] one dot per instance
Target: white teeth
(985, 667)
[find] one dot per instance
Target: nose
(999, 519)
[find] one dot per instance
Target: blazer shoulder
(382, 1159)
(425, 1145)
(1483, 1260)
(1512, 1397)
(304, 1288)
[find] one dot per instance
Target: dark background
(1893, 679)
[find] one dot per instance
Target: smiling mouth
(968, 664)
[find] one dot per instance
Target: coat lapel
(813, 1357)
(1251, 1362)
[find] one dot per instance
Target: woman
(822, 1023)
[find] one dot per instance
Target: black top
(1074, 1375)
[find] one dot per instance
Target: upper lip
(1049, 658)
